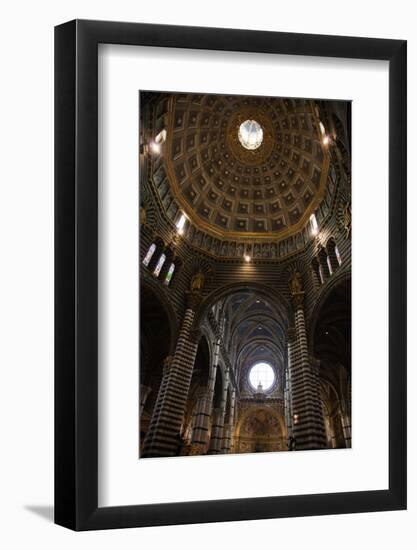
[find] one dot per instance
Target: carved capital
(296, 283)
(202, 393)
(197, 281)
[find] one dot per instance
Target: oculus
(261, 376)
(250, 134)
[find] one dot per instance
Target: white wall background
(26, 274)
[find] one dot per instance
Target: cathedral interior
(245, 274)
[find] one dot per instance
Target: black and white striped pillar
(307, 414)
(228, 430)
(204, 408)
(201, 414)
(163, 436)
(217, 426)
(216, 431)
(291, 339)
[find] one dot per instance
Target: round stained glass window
(250, 134)
(261, 376)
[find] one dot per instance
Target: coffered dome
(245, 167)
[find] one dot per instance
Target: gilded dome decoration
(266, 189)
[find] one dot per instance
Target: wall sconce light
(314, 225)
(154, 147)
(161, 137)
(180, 224)
(325, 138)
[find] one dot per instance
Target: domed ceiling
(229, 191)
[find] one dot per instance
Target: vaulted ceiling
(254, 328)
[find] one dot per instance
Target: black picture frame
(76, 271)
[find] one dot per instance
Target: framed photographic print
(225, 348)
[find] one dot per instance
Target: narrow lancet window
(338, 256)
(149, 254)
(159, 265)
(329, 265)
(169, 275)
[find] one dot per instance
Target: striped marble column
(287, 388)
(203, 409)
(216, 431)
(308, 422)
(163, 437)
(217, 426)
(165, 368)
(229, 426)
